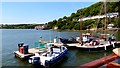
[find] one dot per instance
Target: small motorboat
(50, 57)
(85, 38)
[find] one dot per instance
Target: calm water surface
(74, 57)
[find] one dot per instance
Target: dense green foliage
(19, 26)
(118, 4)
(72, 22)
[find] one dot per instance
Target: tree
(64, 17)
(71, 22)
(77, 26)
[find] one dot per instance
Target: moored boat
(110, 61)
(50, 57)
(96, 44)
(67, 41)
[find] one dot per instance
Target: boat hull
(102, 48)
(100, 62)
(96, 49)
(46, 60)
(55, 60)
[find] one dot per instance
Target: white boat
(95, 45)
(50, 57)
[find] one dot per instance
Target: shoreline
(100, 29)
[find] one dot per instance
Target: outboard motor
(36, 61)
(30, 60)
(47, 63)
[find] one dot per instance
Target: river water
(74, 57)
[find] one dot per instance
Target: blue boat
(49, 58)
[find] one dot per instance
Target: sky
(38, 12)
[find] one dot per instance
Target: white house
(40, 27)
(110, 26)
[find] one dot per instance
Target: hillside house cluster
(40, 27)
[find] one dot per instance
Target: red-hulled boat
(110, 61)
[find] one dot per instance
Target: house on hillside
(55, 28)
(41, 27)
(110, 26)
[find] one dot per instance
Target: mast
(50, 36)
(81, 28)
(59, 35)
(105, 18)
(105, 15)
(102, 5)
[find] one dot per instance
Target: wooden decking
(31, 51)
(22, 56)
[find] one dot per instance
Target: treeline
(72, 21)
(19, 26)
